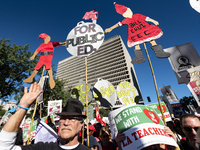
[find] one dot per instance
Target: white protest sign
(84, 39)
(141, 125)
(54, 107)
(126, 93)
(107, 91)
(195, 4)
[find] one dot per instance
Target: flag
(44, 133)
(98, 118)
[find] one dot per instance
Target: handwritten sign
(54, 107)
(84, 39)
(107, 91)
(126, 93)
(141, 125)
(81, 87)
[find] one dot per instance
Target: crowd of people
(184, 130)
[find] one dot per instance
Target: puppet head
(45, 37)
(120, 8)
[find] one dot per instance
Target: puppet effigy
(139, 31)
(46, 50)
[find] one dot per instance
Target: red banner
(98, 118)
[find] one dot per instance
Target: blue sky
(24, 20)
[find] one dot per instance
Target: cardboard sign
(81, 87)
(126, 93)
(182, 58)
(195, 4)
(166, 113)
(141, 125)
(84, 39)
(54, 107)
(107, 91)
(191, 77)
(26, 127)
(5, 118)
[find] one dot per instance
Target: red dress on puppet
(46, 59)
(139, 31)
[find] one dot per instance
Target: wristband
(22, 107)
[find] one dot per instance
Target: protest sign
(26, 128)
(126, 93)
(156, 107)
(191, 77)
(195, 4)
(182, 58)
(141, 125)
(54, 107)
(107, 91)
(84, 39)
(81, 87)
(5, 118)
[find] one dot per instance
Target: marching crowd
(184, 130)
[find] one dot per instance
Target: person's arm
(111, 28)
(62, 43)
(28, 98)
(153, 21)
(34, 54)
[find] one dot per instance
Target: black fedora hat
(72, 108)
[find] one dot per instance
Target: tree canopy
(188, 101)
(15, 66)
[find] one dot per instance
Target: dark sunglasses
(189, 129)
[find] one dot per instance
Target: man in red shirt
(46, 50)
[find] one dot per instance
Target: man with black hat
(71, 122)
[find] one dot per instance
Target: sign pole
(86, 82)
(154, 79)
(34, 109)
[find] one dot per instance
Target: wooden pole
(34, 110)
(154, 79)
(86, 95)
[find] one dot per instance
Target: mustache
(68, 128)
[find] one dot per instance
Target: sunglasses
(189, 129)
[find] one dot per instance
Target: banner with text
(141, 125)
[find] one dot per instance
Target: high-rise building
(110, 62)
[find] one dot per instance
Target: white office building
(110, 62)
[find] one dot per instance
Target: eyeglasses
(189, 129)
(71, 119)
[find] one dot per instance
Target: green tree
(188, 101)
(15, 65)
(104, 112)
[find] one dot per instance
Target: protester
(93, 144)
(98, 128)
(189, 124)
(106, 143)
(71, 122)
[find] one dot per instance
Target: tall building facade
(110, 62)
